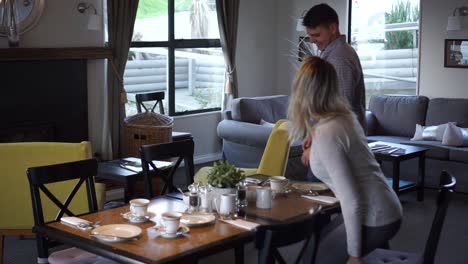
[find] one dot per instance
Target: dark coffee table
(407, 152)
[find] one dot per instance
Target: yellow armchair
(16, 215)
(274, 158)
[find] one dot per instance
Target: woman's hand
(306, 150)
(354, 260)
(305, 156)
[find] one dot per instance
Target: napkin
(242, 223)
(75, 221)
(328, 200)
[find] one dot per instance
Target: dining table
(199, 242)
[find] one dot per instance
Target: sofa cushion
(459, 154)
(455, 136)
(397, 115)
(436, 149)
(434, 133)
(443, 110)
(253, 109)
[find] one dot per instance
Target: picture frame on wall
(456, 53)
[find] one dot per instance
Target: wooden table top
(284, 208)
(199, 242)
(150, 248)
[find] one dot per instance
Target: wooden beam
(88, 53)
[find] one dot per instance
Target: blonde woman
(341, 158)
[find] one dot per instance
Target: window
(385, 36)
(176, 49)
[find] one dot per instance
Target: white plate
(313, 186)
(183, 229)
(116, 232)
(138, 219)
(197, 219)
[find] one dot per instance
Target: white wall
(435, 79)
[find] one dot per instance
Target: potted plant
(224, 175)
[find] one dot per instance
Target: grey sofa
(394, 119)
(244, 138)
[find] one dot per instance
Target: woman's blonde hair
(315, 95)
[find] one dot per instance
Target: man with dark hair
(321, 23)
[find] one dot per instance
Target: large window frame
(404, 26)
(172, 44)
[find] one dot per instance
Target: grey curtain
(121, 18)
(228, 13)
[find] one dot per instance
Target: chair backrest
(275, 155)
(15, 159)
(182, 150)
(447, 184)
(269, 238)
(41, 177)
(158, 97)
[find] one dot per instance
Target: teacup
(139, 207)
(263, 197)
(227, 205)
(278, 184)
(171, 222)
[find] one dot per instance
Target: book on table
(134, 164)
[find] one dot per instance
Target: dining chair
(447, 184)
(181, 150)
(274, 158)
(15, 159)
(42, 181)
(158, 97)
(269, 238)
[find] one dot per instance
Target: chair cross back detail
(269, 238)
(182, 150)
(144, 97)
(83, 170)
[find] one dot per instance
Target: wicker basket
(146, 128)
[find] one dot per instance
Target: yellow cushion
(15, 197)
(275, 155)
(274, 158)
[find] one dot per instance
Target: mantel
(87, 53)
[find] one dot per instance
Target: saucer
(183, 229)
(137, 219)
(310, 186)
(197, 219)
(116, 232)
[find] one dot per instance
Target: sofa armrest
(371, 122)
(244, 133)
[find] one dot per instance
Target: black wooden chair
(447, 184)
(269, 238)
(182, 150)
(158, 97)
(43, 179)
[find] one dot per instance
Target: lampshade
(454, 23)
(95, 22)
(299, 26)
